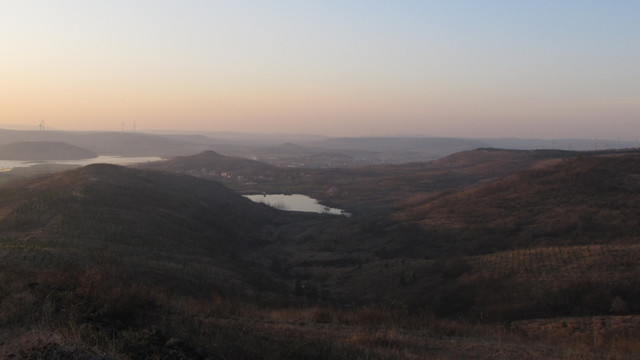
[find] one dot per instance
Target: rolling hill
(372, 185)
(211, 161)
(483, 252)
(577, 200)
(558, 239)
(510, 221)
(145, 220)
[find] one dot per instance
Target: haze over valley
(319, 180)
(444, 250)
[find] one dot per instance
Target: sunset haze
(546, 69)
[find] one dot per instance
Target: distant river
(296, 202)
(6, 165)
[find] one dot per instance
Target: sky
(529, 69)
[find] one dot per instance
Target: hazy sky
(541, 68)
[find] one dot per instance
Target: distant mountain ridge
(44, 150)
(296, 150)
(109, 143)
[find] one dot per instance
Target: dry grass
(80, 313)
(618, 334)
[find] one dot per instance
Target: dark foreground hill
(43, 150)
(145, 220)
(105, 262)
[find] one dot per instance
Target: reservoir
(7, 165)
(296, 202)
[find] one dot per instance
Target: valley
(484, 253)
(319, 180)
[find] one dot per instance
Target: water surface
(296, 202)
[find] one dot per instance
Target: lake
(296, 202)
(7, 165)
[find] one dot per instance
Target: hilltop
(207, 161)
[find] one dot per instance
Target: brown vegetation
(580, 200)
(99, 312)
(111, 263)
